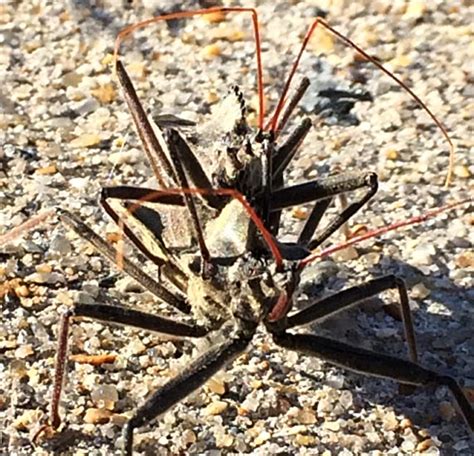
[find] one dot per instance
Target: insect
(271, 310)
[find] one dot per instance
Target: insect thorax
(243, 290)
(239, 154)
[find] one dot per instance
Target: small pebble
(425, 445)
(405, 423)
(346, 399)
(215, 17)
(306, 416)
(24, 351)
(262, 438)
(97, 416)
(188, 437)
(224, 440)
(216, 408)
(85, 140)
(304, 440)
(27, 420)
(420, 291)
(415, 9)
(347, 254)
(332, 425)
(105, 93)
(211, 51)
(465, 259)
(390, 422)
(216, 385)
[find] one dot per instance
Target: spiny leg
(153, 248)
(279, 159)
(110, 314)
(286, 152)
(193, 168)
(323, 189)
(331, 305)
(154, 151)
(176, 300)
(176, 158)
(313, 221)
(292, 103)
(375, 364)
(157, 195)
(377, 232)
(190, 379)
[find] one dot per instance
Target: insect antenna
(26, 226)
(384, 229)
(272, 125)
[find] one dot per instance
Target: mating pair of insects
(237, 274)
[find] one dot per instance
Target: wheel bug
(150, 194)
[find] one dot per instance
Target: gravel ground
(66, 133)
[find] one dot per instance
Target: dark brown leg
(176, 300)
(112, 314)
(280, 159)
(193, 168)
(156, 156)
(331, 305)
(152, 245)
(173, 140)
(190, 379)
(313, 221)
(291, 105)
(323, 189)
(371, 363)
(286, 152)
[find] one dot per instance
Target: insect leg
(190, 379)
(177, 301)
(153, 149)
(155, 146)
(173, 141)
(323, 189)
(285, 153)
(313, 221)
(383, 230)
(193, 168)
(330, 305)
(112, 314)
(375, 364)
(280, 159)
(154, 249)
(292, 103)
(272, 124)
(158, 195)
